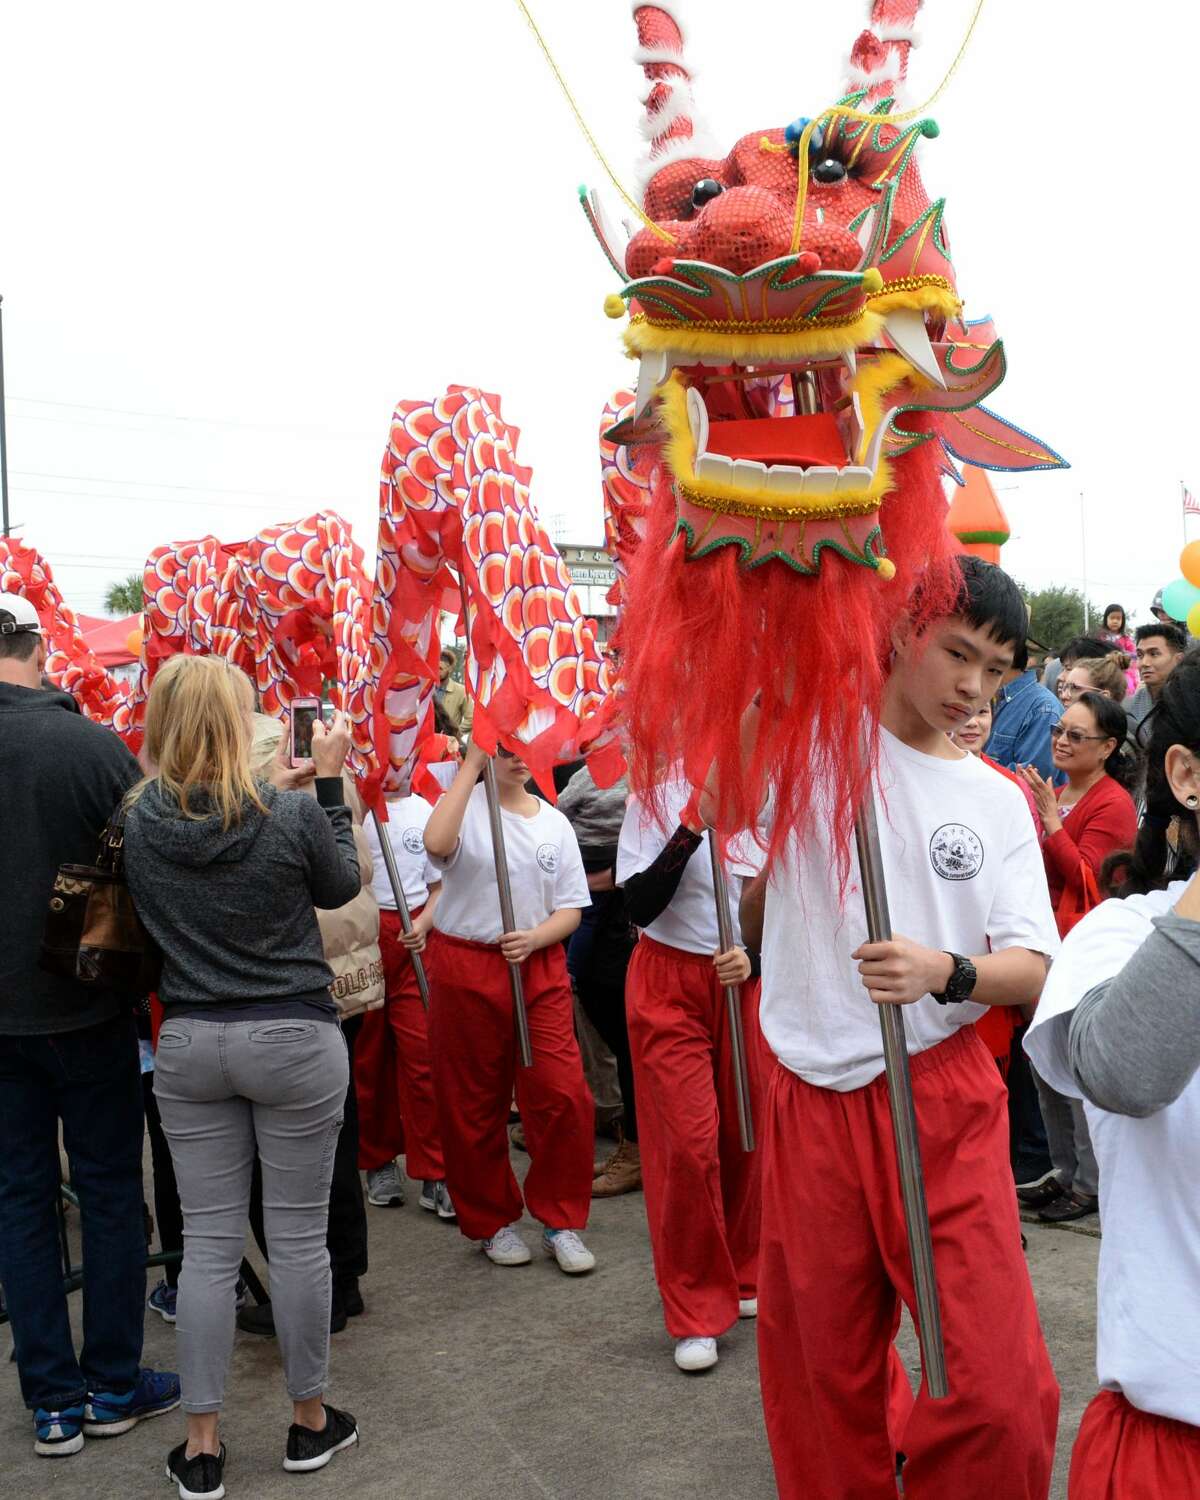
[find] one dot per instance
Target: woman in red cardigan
(1084, 822)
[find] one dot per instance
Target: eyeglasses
(1075, 736)
(505, 754)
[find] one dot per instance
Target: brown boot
(622, 1172)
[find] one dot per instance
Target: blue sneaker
(107, 1414)
(58, 1433)
(162, 1301)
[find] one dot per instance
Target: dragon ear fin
(879, 58)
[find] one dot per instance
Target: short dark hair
(448, 654)
(991, 601)
(1083, 648)
(19, 646)
(1172, 634)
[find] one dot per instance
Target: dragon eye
(705, 191)
(829, 169)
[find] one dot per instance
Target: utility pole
(3, 430)
(1087, 610)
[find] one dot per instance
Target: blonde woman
(225, 872)
(1096, 674)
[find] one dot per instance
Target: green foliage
(1056, 615)
(125, 597)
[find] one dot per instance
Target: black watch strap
(962, 982)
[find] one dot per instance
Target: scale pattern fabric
(290, 607)
(71, 664)
(454, 504)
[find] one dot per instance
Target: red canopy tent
(107, 638)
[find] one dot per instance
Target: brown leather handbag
(93, 934)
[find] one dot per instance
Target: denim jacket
(1020, 736)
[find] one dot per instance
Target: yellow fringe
(791, 347)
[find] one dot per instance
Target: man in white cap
(67, 1052)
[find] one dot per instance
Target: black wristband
(330, 791)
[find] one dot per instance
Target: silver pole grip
(393, 875)
(733, 1000)
(904, 1115)
(507, 920)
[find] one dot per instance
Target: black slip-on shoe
(308, 1450)
(198, 1478)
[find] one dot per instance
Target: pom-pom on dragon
(807, 379)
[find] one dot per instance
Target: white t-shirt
(1148, 1290)
(407, 817)
(964, 874)
(690, 920)
(545, 871)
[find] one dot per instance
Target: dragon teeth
(906, 329)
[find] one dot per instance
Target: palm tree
(125, 597)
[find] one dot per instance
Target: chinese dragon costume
(807, 380)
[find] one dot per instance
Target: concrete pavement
(475, 1383)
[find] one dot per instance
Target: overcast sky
(234, 235)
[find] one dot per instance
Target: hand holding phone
(331, 745)
(305, 713)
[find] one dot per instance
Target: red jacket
(1101, 822)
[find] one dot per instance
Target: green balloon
(1179, 597)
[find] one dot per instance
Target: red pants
(1122, 1453)
(394, 1082)
(835, 1263)
(702, 1190)
(473, 1044)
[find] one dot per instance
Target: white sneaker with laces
(507, 1248)
(692, 1355)
(748, 1307)
(572, 1255)
(445, 1207)
(384, 1188)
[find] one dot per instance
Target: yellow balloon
(1189, 563)
(1193, 619)
(133, 641)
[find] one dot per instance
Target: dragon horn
(670, 123)
(879, 58)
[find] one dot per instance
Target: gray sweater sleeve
(333, 873)
(1135, 1040)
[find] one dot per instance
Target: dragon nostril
(809, 263)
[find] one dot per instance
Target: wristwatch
(962, 982)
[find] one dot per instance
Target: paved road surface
(477, 1383)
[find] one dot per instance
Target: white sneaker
(572, 1255)
(695, 1354)
(384, 1188)
(445, 1205)
(748, 1307)
(507, 1248)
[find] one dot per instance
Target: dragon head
(792, 304)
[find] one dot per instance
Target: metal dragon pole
(393, 875)
(904, 1115)
(503, 884)
(733, 1001)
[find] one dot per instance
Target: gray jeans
(1069, 1140)
(226, 1089)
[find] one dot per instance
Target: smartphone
(305, 713)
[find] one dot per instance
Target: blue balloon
(1179, 597)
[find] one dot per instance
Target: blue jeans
(91, 1080)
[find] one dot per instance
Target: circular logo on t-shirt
(547, 857)
(413, 841)
(956, 852)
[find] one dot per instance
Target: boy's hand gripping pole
(733, 1000)
(503, 884)
(904, 1115)
(393, 875)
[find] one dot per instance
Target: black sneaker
(199, 1478)
(260, 1320)
(348, 1296)
(307, 1450)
